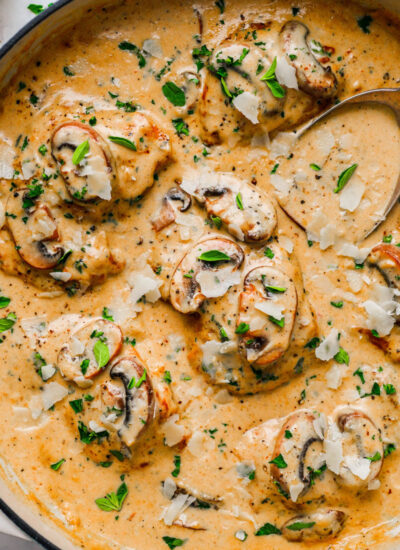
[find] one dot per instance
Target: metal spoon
(383, 96)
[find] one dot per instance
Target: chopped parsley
(113, 502)
(128, 46)
(214, 256)
(124, 142)
(4, 302)
(173, 542)
(242, 328)
(101, 353)
(364, 22)
(107, 315)
(345, 177)
(268, 529)
(181, 128)
(270, 78)
(80, 152)
(177, 464)
(279, 461)
(174, 94)
(300, 525)
(57, 465)
(77, 405)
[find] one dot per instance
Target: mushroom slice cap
(90, 179)
(268, 306)
(312, 77)
(139, 402)
(196, 279)
(191, 83)
(302, 453)
(386, 258)
(362, 449)
(167, 213)
(34, 230)
(248, 214)
(319, 525)
(89, 350)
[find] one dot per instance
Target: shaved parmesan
(152, 46)
(247, 104)
(320, 425)
(271, 308)
(295, 490)
(286, 73)
(355, 280)
(76, 347)
(95, 427)
(169, 488)
(47, 371)
(144, 282)
(378, 319)
(52, 393)
(281, 184)
(286, 243)
(329, 347)
(282, 145)
(28, 169)
(374, 484)
(327, 236)
(215, 284)
(199, 443)
(63, 276)
(351, 195)
(173, 433)
(358, 466)
(352, 251)
(334, 377)
(177, 506)
(333, 448)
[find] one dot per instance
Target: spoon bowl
(389, 97)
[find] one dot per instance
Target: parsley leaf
(344, 177)
(279, 461)
(113, 502)
(214, 256)
(57, 465)
(268, 529)
(80, 152)
(174, 94)
(173, 542)
(124, 142)
(300, 525)
(101, 353)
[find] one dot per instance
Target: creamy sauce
(222, 378)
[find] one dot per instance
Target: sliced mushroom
(314, 527)
(312, 77)
(90, 178)
(33, 229)
(248, 214)
(268, 306)
(386, 258)
(202, 500)
(89, 350)
(302, 453)
(196, 279)
(191, 84)
(167, 214)
(139, 403)
(362, 449)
